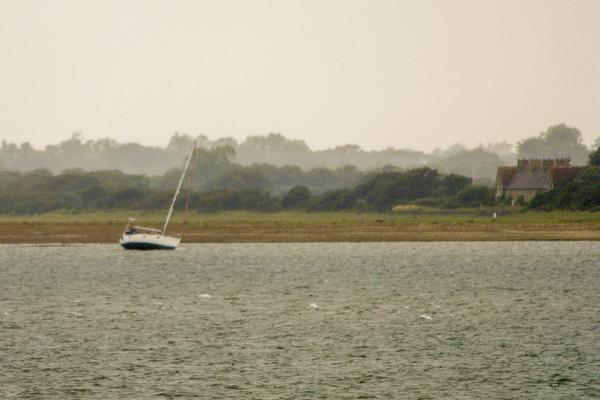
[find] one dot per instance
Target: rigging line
(190, 180)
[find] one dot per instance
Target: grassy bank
(418, 215)
(406, 225)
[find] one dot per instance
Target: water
(302, 321)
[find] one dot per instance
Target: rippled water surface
(302, 321)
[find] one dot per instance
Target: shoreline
(102, 232)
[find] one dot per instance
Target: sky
(417, 74)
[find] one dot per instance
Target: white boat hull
(148, 241)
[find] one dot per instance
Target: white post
(178, 188)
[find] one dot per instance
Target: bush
(452, 183)
(475, 196)
(238, 189)
(297, 197)
(335, 200)
(582, 193)
(595, 157)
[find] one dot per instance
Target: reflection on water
(260, 321)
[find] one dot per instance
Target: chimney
(522, 164)
(536, 164)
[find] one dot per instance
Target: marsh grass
(400, 216)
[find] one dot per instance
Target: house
(530, 177)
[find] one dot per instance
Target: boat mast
(187, 163)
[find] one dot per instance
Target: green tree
(454, 183)
(180, 143)
(239, 178)
(595, 155)
(558, 141)
(582, 193)
(274, 149)
(297, 197)
(477, 162)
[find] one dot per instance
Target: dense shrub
(40, 191)
(582, 193)
(382, 191)
(335, 200)
(595, 157)
(475, 196)
(296, 197)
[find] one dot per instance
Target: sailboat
(141, 238)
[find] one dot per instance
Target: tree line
(219, 181)
(278, 151)
(41, 191)
(243, 188)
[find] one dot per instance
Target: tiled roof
(537, 178)
(564, 174)
(505, 174)
(527, 179)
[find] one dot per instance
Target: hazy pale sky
(419, 74)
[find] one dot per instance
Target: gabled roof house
(531, 177)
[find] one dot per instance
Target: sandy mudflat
(327, 232)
